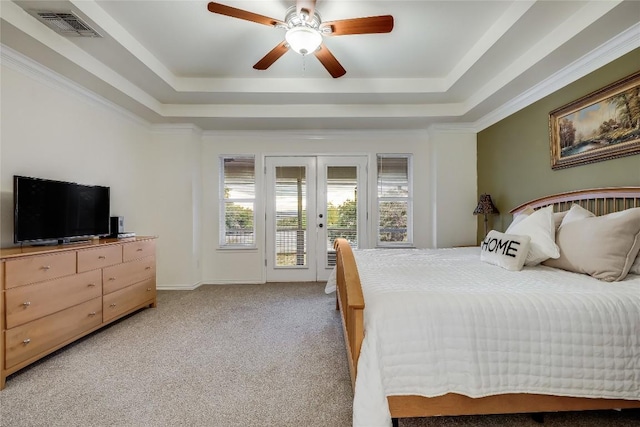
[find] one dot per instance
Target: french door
(311, 201)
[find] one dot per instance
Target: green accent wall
(514, 162)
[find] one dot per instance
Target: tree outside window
(237, 201)
(394, 200)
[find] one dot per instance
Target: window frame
(222, 202)
(408, 199)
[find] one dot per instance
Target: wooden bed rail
(350, 302)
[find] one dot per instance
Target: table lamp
(486, 208)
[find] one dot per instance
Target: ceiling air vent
(66, 23)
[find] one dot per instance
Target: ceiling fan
(305, 31)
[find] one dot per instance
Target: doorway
(311, 201)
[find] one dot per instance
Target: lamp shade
(485, 206)
(303, 40)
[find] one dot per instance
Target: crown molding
(613, 49)
(176, 129)
(315, 135)
(452, 128)
(622, 44)
(36, 71)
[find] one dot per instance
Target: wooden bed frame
(350, 302)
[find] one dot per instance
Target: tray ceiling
(452, 63)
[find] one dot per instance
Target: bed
(589, 361)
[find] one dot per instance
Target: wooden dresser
(52, 295)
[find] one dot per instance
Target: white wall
(164, 179)
(49, 132)
(432, 227)
(173, 191)
(454, 187)
(52, 129)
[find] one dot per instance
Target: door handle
(320, 225)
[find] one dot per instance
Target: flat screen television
(48, 211)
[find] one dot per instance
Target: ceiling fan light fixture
(303, 40)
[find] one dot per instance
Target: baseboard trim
(178, 287)
(231, 282)
(187, 287)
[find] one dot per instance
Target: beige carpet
(241, 355)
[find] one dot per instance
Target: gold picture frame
(600, 126)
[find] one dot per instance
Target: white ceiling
(460, 63)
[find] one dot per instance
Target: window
(394, 200)
(237, 201)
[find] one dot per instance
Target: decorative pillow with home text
(508, 251)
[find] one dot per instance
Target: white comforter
(440, 321)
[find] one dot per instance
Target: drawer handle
(46, 267)
(147, 268)
(113, 304)
(112, 278)
(139, 250)
(26, 304)
(102, 257)
(91, 285)
(93, 313)
(26, 341)
(148, 289)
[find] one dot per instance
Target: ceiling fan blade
(308, 6)
(368, 25)
(330, 62)
(272, 56)
(242, 14)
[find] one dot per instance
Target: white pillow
(520, 216)
(605, 247)
(558, 217)
(541, 228)
(508, 251)
(575, 213)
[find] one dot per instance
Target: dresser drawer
(137, 250)
(33, 338)
(128, 273)
(91, 259)
(30, 302)
(123, 300)
(34, 269)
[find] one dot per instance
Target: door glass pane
(342, 214)
(291, 216)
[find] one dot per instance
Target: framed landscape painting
(600, 126)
